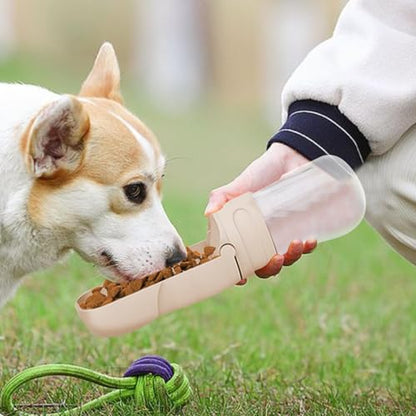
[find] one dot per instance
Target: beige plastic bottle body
(321, 200)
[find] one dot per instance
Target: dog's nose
(175, 256)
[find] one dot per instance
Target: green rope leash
(151, 381)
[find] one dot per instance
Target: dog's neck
(23, 247)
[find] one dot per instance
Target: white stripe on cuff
(336, 124)
(314, 142)
(305, 137)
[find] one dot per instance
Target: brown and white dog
(83, 173)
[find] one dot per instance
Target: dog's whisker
(172, 159)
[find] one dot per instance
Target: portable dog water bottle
(321, 200)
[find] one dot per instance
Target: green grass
(334, 334)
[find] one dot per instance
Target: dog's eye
(135, 192)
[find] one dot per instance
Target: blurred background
(206, 76)
(240, 51)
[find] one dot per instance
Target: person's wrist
(287, 157)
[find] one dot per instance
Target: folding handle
(240, 224)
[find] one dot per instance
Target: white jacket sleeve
(367, 69)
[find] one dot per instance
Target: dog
(80, 173)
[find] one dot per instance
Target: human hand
(268, 168)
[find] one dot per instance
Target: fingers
(216, 201)
(220, 196)
(309, 246)
(272, 268)
(260, 173)
(268, 168)
(294, 252)
(296, 249)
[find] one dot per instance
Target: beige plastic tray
(243, 246)
(138, 309)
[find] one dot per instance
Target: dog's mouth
(109, 259)
(111, 265)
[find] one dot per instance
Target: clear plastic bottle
(321, 200)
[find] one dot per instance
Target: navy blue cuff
(314, 129)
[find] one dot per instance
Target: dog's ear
(104, 78)
(56, 138)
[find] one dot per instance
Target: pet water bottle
(321, 200)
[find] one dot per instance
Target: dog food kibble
(111, 291)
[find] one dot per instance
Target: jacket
(355, 94)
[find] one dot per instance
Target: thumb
(260, 173)
(251, 179)
(263, 171)
(217, 199)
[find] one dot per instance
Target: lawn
(334, 334)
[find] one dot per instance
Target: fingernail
(209, 209)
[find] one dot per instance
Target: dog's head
(98, 172)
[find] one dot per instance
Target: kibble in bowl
(110, 291)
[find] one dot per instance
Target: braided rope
(151, 380)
